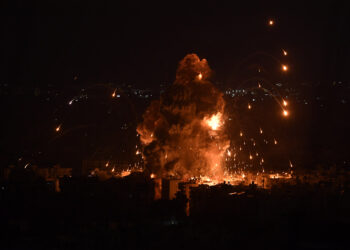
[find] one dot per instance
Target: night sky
(141, 43)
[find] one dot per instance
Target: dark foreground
(122, 214)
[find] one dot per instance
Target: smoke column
(183, 133)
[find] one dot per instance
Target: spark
(200, 76)
(250, 157)
(153, 176)
(285, 103)
(249, 106)
(71, 102)
(290, 164)
(113, 94)
(113, 170)
(26, 165)
(228, 152)
(259, 85)
(58, 128)
(285, 112)
(107, 164)
(261, 131)
(284, 52)
(284, 67)
(275, 141)
(240, 134)
(271, 22)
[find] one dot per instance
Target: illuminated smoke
(183, 133)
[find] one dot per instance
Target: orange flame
(214, 122)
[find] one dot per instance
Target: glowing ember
(284, 52)
(200, 76)
(285, 112)
(249, 106)
(58, 128)
(284, 67)
(271, 22)
(152, 176)
(107, 164)
(113, 94)
(285, 103)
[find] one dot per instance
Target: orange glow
(228, 152)
(284, 52)
(285, 112)
(153, 176)
(284, 67)
(113, 94)
(285, 103)
(271, 22)
(250, 157)
(200, 76)
(249, 106)
(275, 141)
(107, 164)
(240, 134)
(214, 122)
(58, 128)
(261, 131)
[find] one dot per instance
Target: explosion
(183, 133)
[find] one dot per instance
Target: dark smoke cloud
(175, 133)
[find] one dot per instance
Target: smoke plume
(183, 133)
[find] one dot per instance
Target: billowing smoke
(183, 133)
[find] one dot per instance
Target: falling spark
(113, 170)
(284, 67)
(200, 76)
(284, 52)
(70, 102)
(26, 165)
(259, 85)
(285, 112)
(113, 94)
(107, 164)
(249, 106)
(275, 141)
(228, 152)
(261, 131)
(153, 176)
(285, 103)
(240, 134)
(250, 157)
(290, 164)
(58, 128)
(271, 22)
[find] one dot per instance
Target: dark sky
(141, 43)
